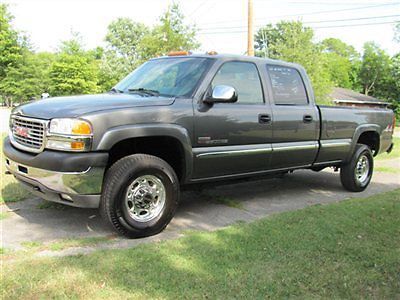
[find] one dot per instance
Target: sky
(221, 24)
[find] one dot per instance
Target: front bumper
(77, 182)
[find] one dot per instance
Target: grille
(28, 133)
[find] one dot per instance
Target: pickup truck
(184, 119)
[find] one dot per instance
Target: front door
(233, 138)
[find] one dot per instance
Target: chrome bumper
(81, 189)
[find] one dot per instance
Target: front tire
(140, 195)
(357, 173)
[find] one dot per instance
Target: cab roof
(225, 57)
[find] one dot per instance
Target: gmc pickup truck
(185, 119)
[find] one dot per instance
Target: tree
(388, 87)
(397, 32)
(74, 71)
(170, 34)
(129, 44)
(124, 37)
(293, 42)
(395, 85)
(342, 62)
(10, 46)
(112, 68)
(375, 68)
(29, 79)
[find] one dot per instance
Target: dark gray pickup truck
(180, 120)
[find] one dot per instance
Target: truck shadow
(206, 207)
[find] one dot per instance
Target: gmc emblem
(21, 131)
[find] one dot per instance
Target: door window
(244, 78)
(287, 86)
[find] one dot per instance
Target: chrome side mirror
(223, 94)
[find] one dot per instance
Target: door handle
(264, 119)
(307, 119)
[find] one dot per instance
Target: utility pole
(250, 36)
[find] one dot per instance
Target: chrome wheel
(362, 170)
(145, 198)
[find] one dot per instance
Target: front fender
(120, 133)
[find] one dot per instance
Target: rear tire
(140, 195)
(357, 173)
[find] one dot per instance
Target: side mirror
(223, 94)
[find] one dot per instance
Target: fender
(120, 133)
(357, 133)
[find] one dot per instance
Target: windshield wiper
(145, 91)
(115, 90)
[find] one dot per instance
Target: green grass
(62, 244)
(10, 189)
(4, 215)
(50, 205)
(228, 202)
(387, 169)
(347, 250)
(81, 242)
(31, 245)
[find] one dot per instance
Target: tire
(357, 173)
(140, 195)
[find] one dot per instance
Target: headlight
(69, 135)
(70, 127)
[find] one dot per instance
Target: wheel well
(371, 139)
(167, 148)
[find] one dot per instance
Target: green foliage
(112, 68)
(169, 35)
(380, 75)
(29, 78)
(124, 37)
(397, 32)
(129, 44)
(291, 41)
(10, 46)
(375, 67)
(341, 61)
(73, 74)
(74, 71)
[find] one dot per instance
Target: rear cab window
(287, 86)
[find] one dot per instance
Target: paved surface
(4, 116)
(198, 210)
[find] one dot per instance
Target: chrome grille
(28, 133)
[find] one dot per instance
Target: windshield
(173, 77)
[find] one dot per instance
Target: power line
(351, 25)
(313, 13)
(318, 27)
(312, 22)
(197, 8)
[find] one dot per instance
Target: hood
(74, 106)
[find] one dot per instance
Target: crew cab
(181, 120)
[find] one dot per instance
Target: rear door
(233, 138)
(295, 119)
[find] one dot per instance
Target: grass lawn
(10, 189)
(349, 249)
